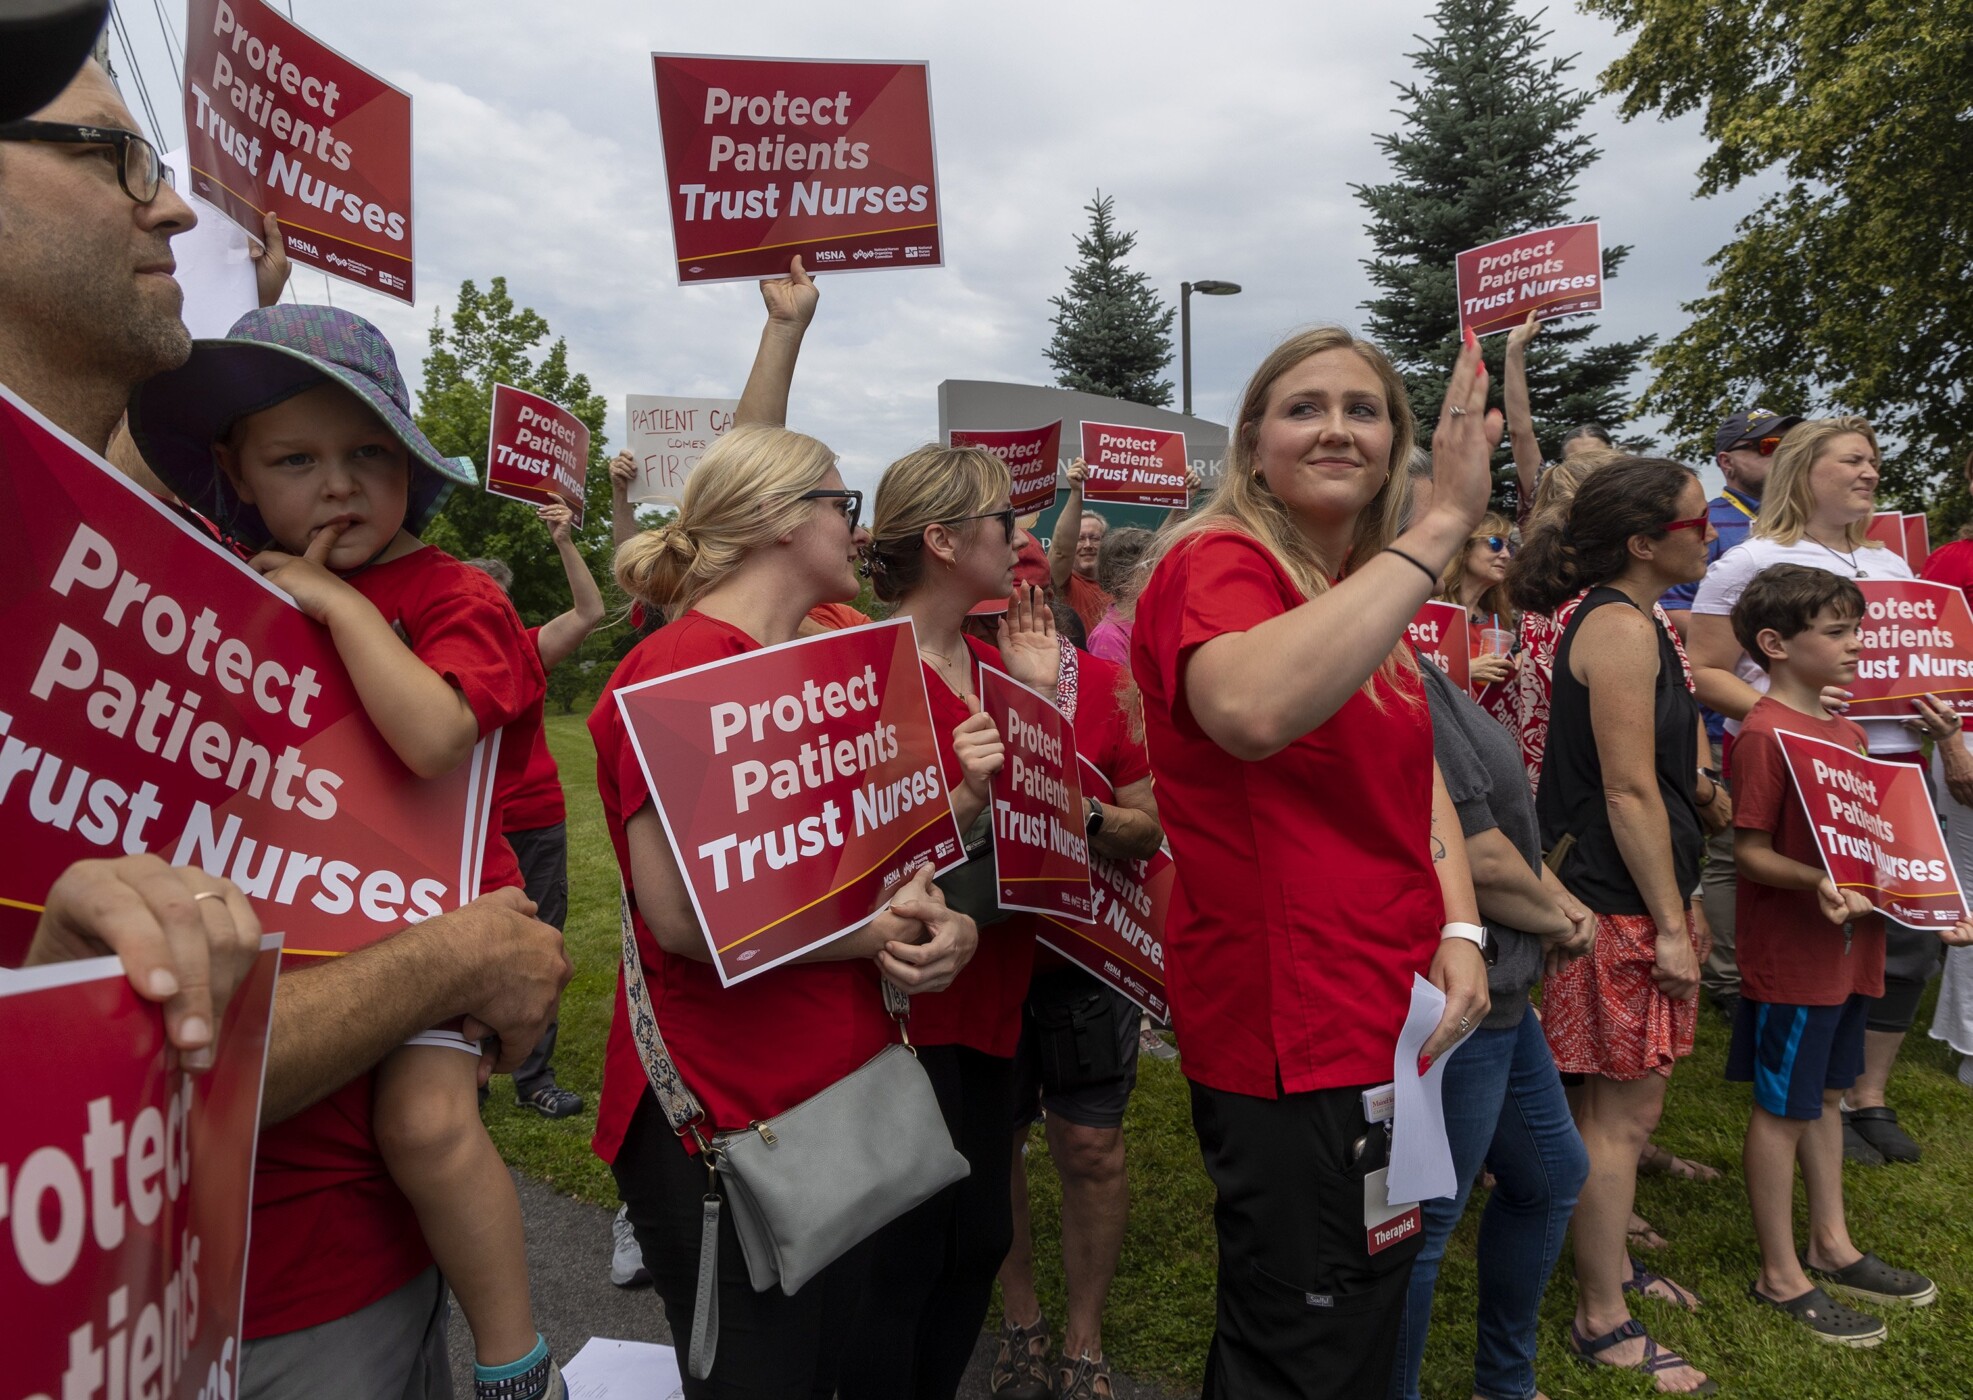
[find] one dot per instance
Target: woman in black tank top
(1616, 806)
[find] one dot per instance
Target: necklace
(1851, 560)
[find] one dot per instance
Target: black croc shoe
(1828, 1320)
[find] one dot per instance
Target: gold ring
(1457, 411)
(207, 894)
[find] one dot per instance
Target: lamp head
(1216, 289)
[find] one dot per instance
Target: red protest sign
(1887, 528)
(798, 785)
(1040, 851)
(276, 119)
(1122, 943)
(127, 1186)
(1917, 541)
(1032, 457)
(766, 158)
(536, 452)
(1551, 272)
(159, 695)
(1917, 640)
(1440, 633)
(1876, 831)
(1134, 466)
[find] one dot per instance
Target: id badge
(1385, 1224)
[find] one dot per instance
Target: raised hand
(791, 300)
(1029, 647)
(1518, 338)
(1463, 444)
(559, 519)
(270, 261)
(623, 472)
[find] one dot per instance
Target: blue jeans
(1503, 1105)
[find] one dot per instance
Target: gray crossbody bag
(810, 1183)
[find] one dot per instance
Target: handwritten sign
(667, 436)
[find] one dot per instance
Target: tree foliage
(1489, 147)
(492, 342)
(1112, 330)
(1851, 287)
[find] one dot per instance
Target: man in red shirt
(1072, 552)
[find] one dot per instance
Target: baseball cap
(42, 45)
(1752, 423)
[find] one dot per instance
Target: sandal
(1662, 1161)
(1827, 1320)
(1081, 1379)
(1020, 1371)
(551, 1101)
(1640, 1235)
(1642, 1281)
(1656, 1358)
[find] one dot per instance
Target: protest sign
(1040, 851)
(1031, 455)
(1551, 272)
(1122, 943)
(1134, 466)
(1876, 831)
(536, 451)
(798, 785)
(667, 437)
(276, 119)
(1917, 640)
(1440, 633)
(126, 1186)
(767, 158)
(158, 695)
(1887, 528)
(1917, 541)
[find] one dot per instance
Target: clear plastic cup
(1496, 641)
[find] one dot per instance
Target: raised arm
(1520, 414)
(562, 634)
(623, 514)
(791, 304)
(1256, 692)
(1068, 526)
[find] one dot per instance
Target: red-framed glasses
(1697, 522)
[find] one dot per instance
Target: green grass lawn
(1160, 1314)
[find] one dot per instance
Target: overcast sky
(1229, 143)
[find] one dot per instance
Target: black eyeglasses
(1005, 517)
(851, 507)
(138, 169)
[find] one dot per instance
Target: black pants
(771, 1346)
(1305, 1311)
(932, 1278)
(544, 857)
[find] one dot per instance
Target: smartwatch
(1479, 935)
(1093, 821)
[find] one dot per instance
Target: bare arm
(1256, 692)
(1458, 969)
(1509, 890)
(1713, 651)
(791, 302)
(623, 515)
(490, 961)
(1068, 528)
(561, 635)
(1520, 415)
(1131, 830)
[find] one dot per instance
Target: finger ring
(1465, 1021)
(207, 894)
(1457, 411)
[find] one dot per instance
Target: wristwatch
(1093, 822)
(1479, 935)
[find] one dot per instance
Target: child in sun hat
(293, 435)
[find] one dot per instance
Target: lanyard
(1734, 501)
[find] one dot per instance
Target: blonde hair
(745, 494)
(1559, 482)
(1495, 599)
(1788, 501)
(930, 486)
(1241, 502)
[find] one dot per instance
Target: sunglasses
(1697, 522)
(1765, 446)
(850, 504)
(1005, 517)
(1496, 543)
(138, 169)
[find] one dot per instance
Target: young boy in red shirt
(1810, 954)
(294, 436)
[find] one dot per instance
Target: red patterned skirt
(1605, 1015)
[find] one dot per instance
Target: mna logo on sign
(828, 255)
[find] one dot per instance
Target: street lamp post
(1207, 288)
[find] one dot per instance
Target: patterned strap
(1068, 679)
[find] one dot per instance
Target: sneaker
(551, 1101)
(1080, 1379)
(626, 1257)
(1827, 1320)
(1151, 1043)
(1874, 1281)
(1879, 1127)
(1020, 1369)
(1857, 1148)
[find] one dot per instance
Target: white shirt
(1729, 576)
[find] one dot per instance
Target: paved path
(569, 1269)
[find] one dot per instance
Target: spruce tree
(1489, 147)
(1112, 330)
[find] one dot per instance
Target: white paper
(667, 436)
(215, 266)
(607, 1369)
(1421, 1158)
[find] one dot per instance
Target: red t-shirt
(1953, 564)
(1305, 897)
(1788, 952)
(1089, 601)
(535, 800)
(982, 1008)
(749, 1051)
(331, 1231)
(836, 616)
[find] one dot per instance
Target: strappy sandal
(1640, 1235)
(1020, 1370)
(1641, 1281)
(1662, 1161)
(1656, 1358)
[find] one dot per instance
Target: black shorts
(1078, 1053)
